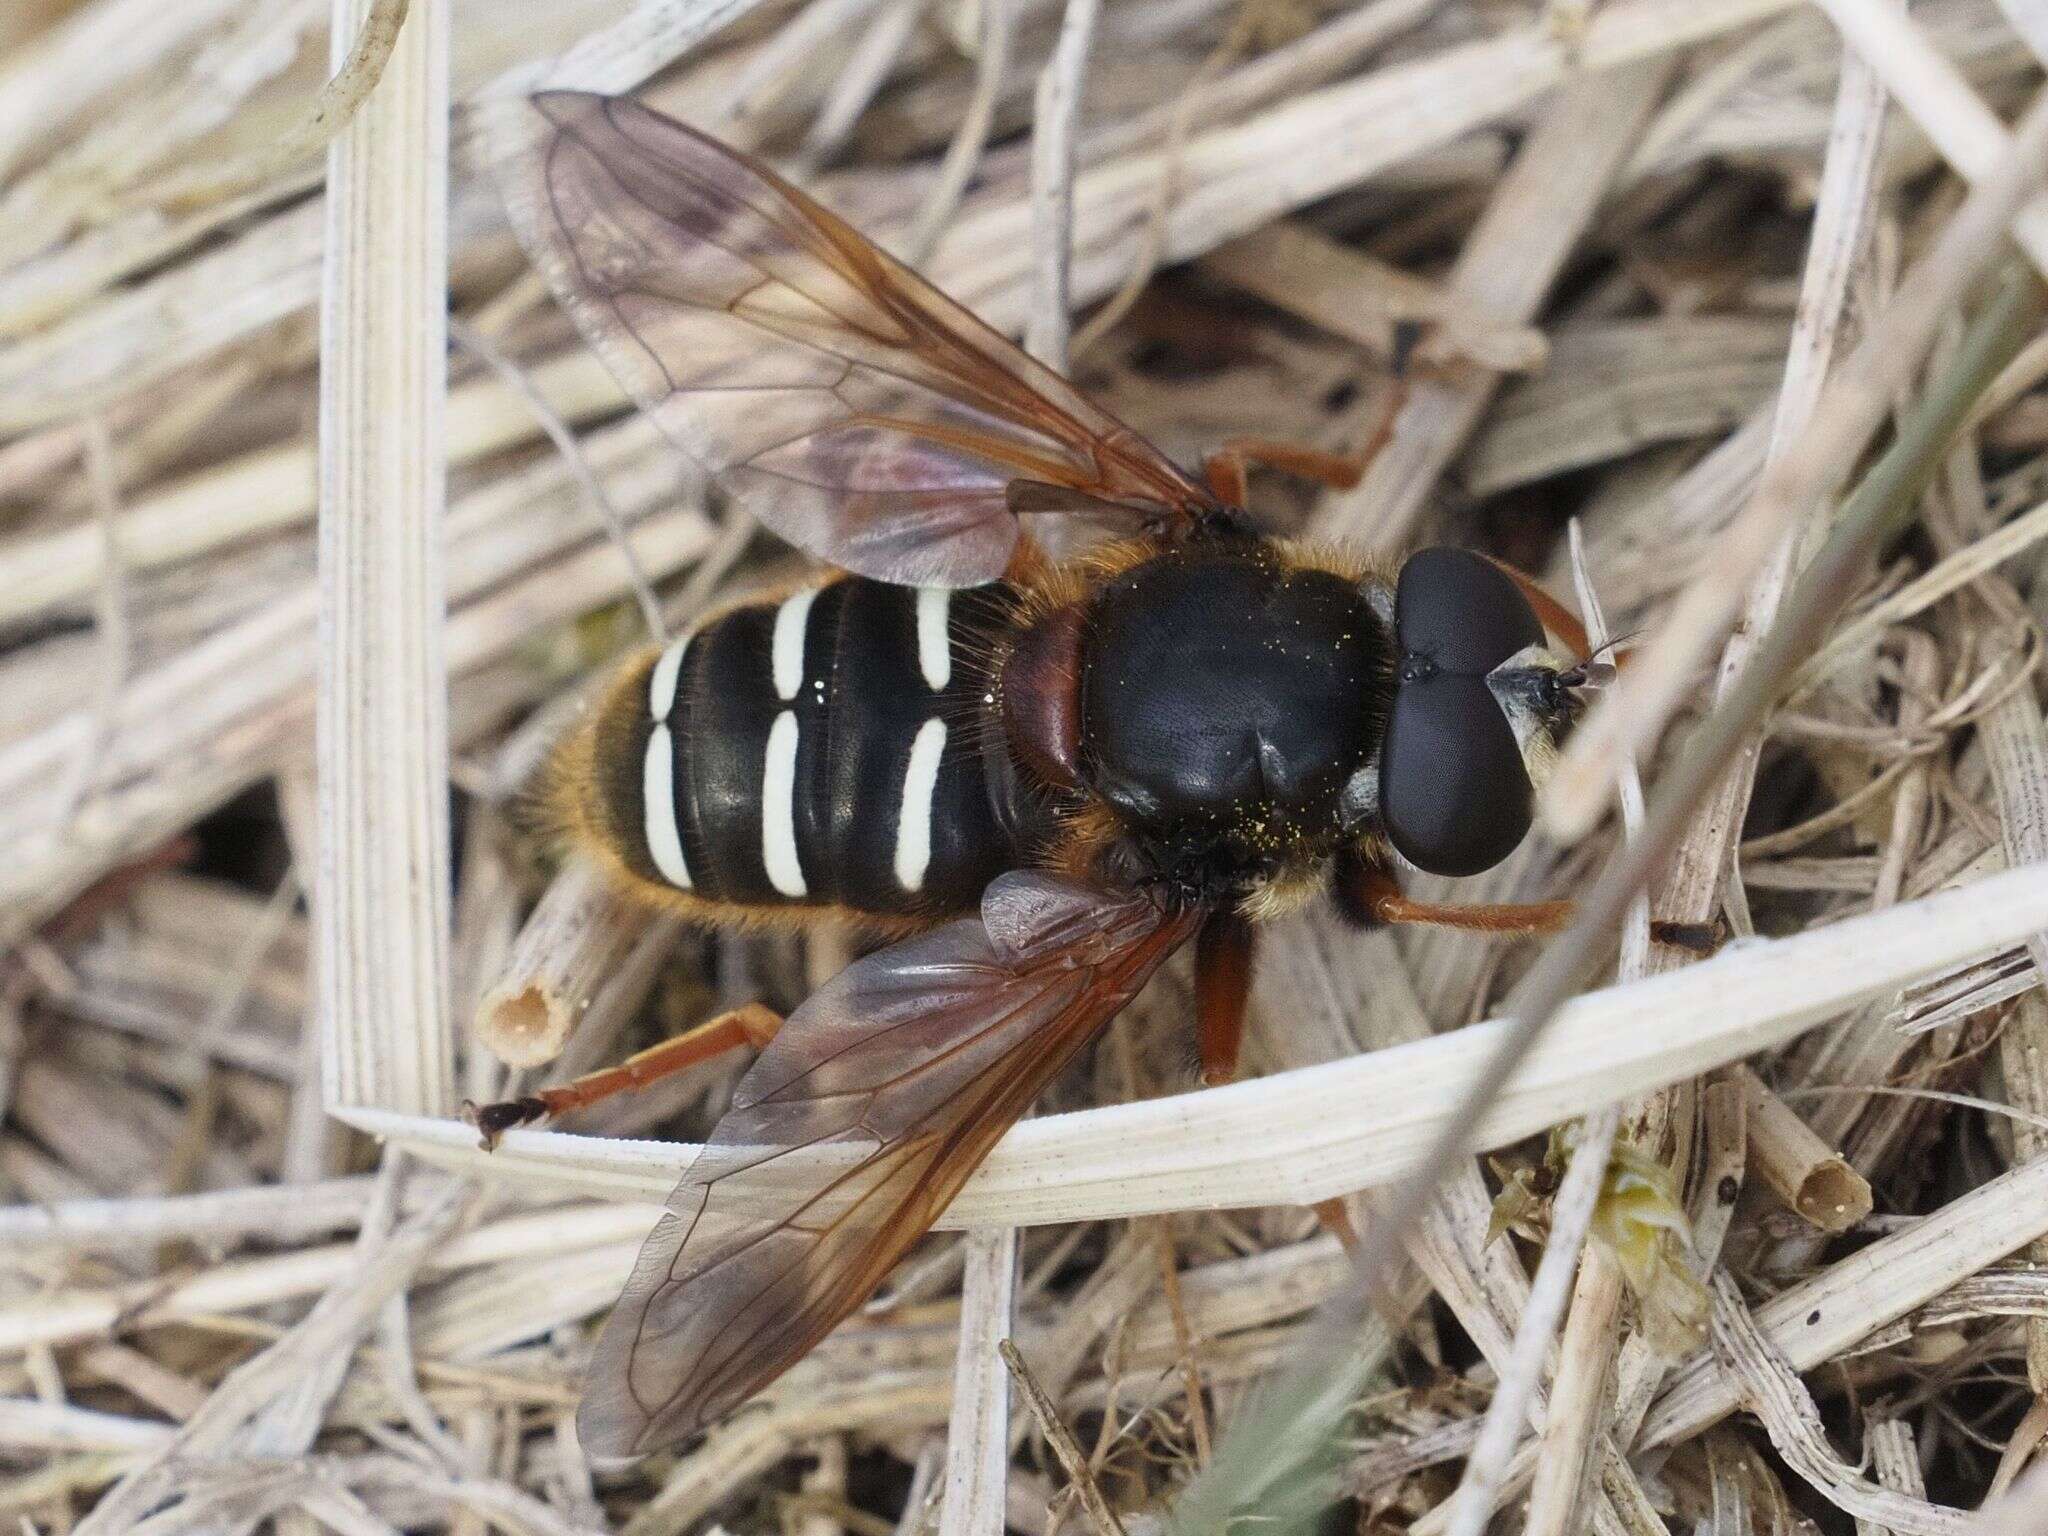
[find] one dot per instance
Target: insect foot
(494, 1120)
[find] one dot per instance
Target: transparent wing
(862, 414)
(909, 1065)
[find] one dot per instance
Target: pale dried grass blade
(978, 1431)
(381, 901)
(1323, 1131)
(1825, 1316)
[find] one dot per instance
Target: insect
(1039, 779)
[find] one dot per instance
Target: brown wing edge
(916, 1059)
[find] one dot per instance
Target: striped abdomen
(828, 750)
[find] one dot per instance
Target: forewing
(862, 414)
(909, 1065)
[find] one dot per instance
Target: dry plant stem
(640, 43)
(1486, 1468)
(1326, 140)
(1773, 1391)
(1579, 1402)
(2015, 741)
(1321, 55)
(866, 72)
(381, 902)
(1184, 1341)
(579, 932)
(2023, 1053)
(781, 65)
(2030, 21)
(1811, 1177)
(1852, 406)
(1351, 294)
(1166, 187)
(2022, 1512)
(749, 1446)
(225, 712)
(111, 617)
(275, 488)
(1842, 220)
(1073, 1461)
(1967, 133)
(273, 1404)
(1941, 580)
(1061, 88)
(79, 56)
(964, 153)
(1827, 1315)
(558, 433)
(2020, 1449)
(357, 75)
(978, 1429)
(1883, 500)
(1889, 1447)
(612, 1231)
(286, 1215)
(1536, 216)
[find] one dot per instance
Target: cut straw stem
(1811, 1177)
(579, 934)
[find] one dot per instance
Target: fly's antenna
(1598, 669)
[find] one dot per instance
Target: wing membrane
(862, 414)
(911, 1064)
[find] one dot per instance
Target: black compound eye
(1461, 612)
(1454, 796)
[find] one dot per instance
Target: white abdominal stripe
(657, 779)
(934, 646)
(778, 808)
(914, 821)
(786, 649)
(928, 748)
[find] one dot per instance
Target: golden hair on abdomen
(573, 805)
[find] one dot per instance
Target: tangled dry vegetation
(1640, 257)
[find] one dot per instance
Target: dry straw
(380, 902)
(1670, 279)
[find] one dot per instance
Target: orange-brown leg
(1479, 917)
(1223, 980)
(754, 1025)
(1369, 893)
(1225, 469)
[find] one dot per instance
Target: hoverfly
(1040, 779)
